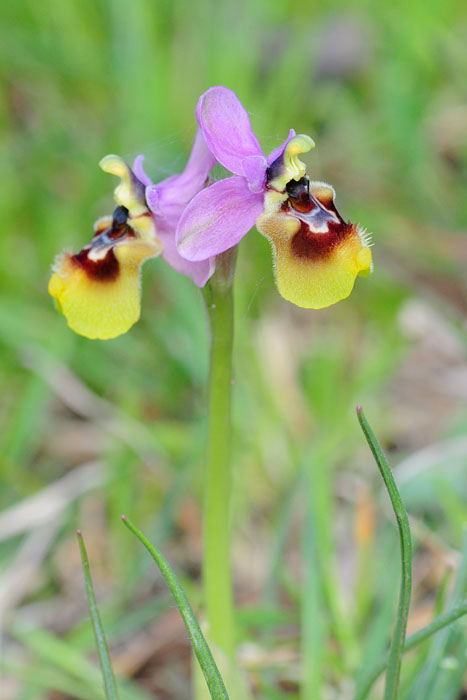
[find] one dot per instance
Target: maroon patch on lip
(316, 246)
(105, 270)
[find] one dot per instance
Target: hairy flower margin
(189, 221)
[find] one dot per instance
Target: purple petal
(172, 194)
(139, 171)
(278, 151)
(217, 218)
(254, 168)
(153, 197)
(193, 178)
(199, 272)
(168, 199)
(226, 128)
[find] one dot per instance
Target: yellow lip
(99, 308)
(314, 268)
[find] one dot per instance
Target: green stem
(216, 566)
(413, 641)
(398, 637)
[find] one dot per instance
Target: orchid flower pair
(189, 220)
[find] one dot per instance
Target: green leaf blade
(203, 653)
(110, 685)
(400, 627)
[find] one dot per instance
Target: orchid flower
(98, 289)
(317, 254)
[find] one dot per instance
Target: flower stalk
(218, 593)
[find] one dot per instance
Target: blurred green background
(93, 429)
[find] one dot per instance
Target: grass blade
(413, 641)
(398, 638)
(106, 666)
(200, 647)
(428, 685)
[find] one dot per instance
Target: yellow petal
(101, 299)
(313, 271)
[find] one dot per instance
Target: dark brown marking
(316, 246)
(105, 270)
